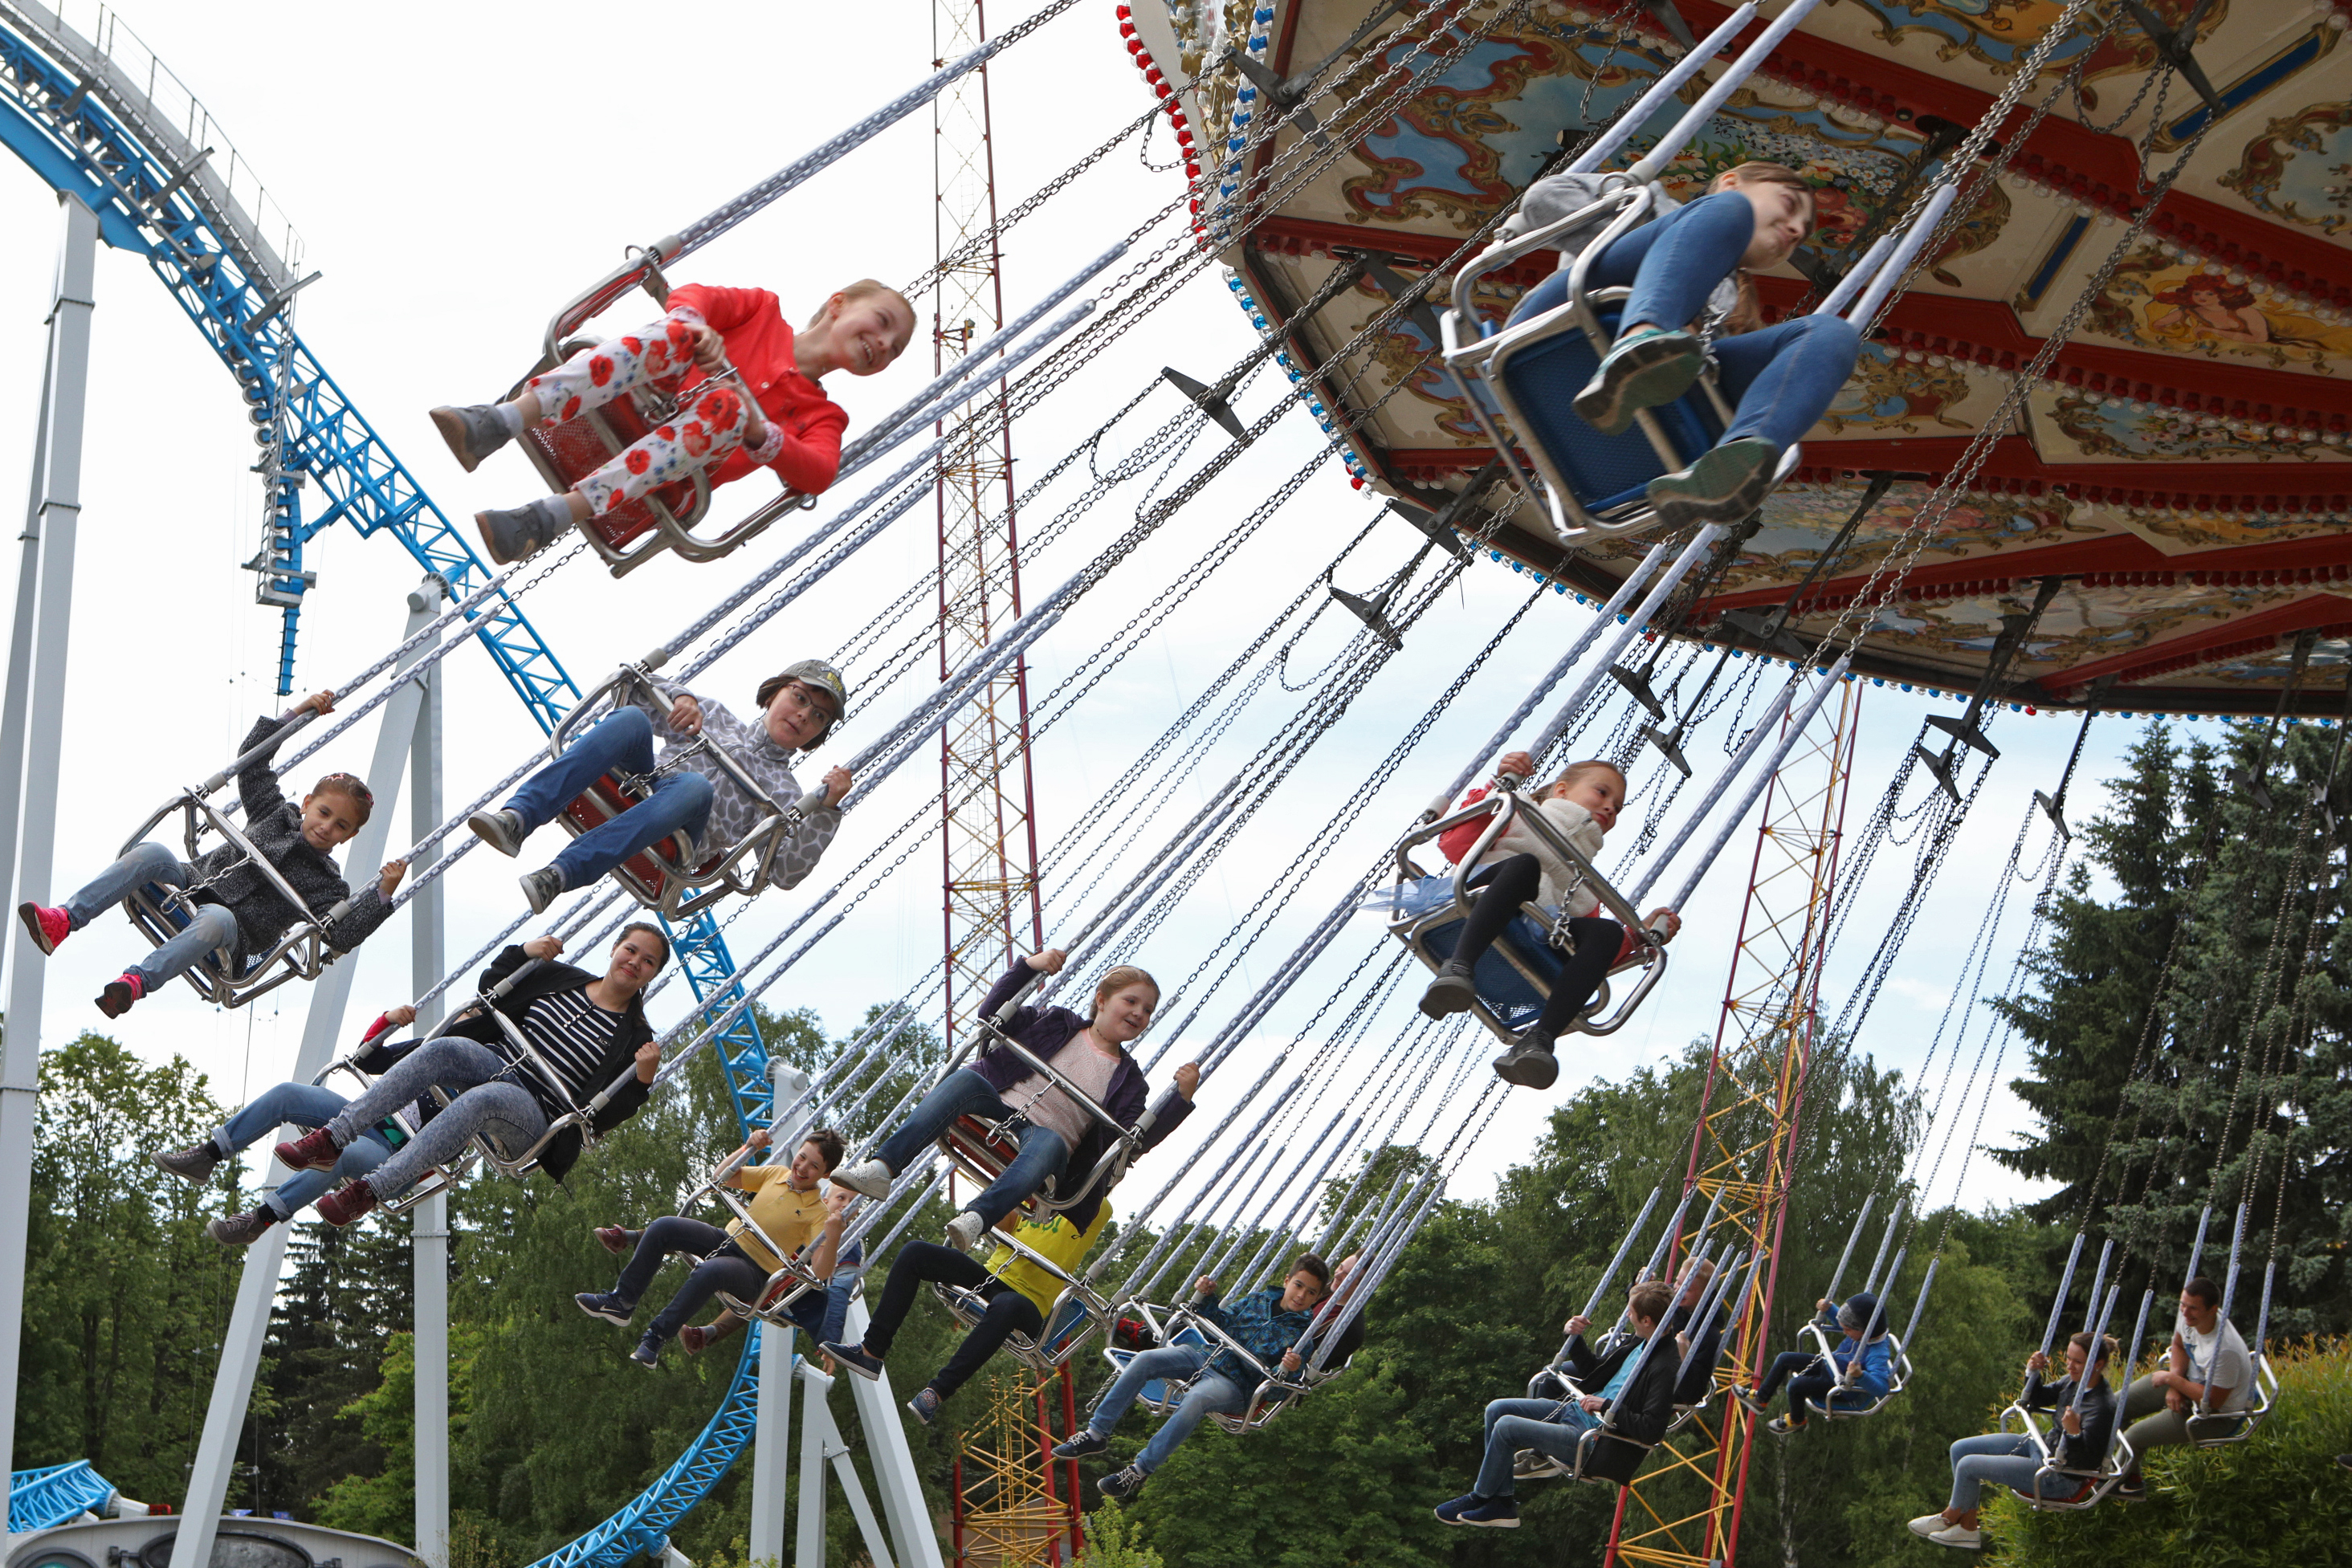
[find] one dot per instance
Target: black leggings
(923, 1262)
(1505, 885)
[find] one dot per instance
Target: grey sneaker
(856, 1357)
(473, 433)
(541, 887)
(1725, 487)
(1122, 1484)
(925, 1405)
(509, 536)
(965, 1230)
(502, 831)
(1451, 990)
(869, 1179)
(1643, 369)
(242, 1230)
(194, 1164)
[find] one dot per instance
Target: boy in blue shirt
(1815, 1380)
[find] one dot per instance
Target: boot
(1451, 990)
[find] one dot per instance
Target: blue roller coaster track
(44, 1499)
(87, 116)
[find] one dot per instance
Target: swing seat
(163, 913)
(1596, 1449)
(1848, 1405)
(2237, 1425)
(1520, 382)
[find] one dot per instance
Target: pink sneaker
(313, 1151)
(48, 927)
(347, 1203)
(120, 993)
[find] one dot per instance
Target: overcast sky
(453, 196)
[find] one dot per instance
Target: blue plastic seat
(1603, 471)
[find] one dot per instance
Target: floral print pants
(701, 432)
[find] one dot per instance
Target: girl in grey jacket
(239, 911)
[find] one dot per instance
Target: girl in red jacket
(785, 422)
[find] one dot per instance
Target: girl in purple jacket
(1055, 1133)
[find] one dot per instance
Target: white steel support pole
(892, 1461)
(32, 734)
(429, 1221)
(809, 1541)
(771, 1444)
(249, 1321)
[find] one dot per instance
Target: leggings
(705, 431)
(919, 1262)
(484, 1098)
(1505, 885)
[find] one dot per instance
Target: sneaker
(1725, 485)
(694, 1339)
(965, 1230)
(313, 1151)
(1451, 990)
(1781, 1426)
(1756, 1403)
(347, 1203)
(242, 1230)
(502, 831)
(648, 1352)
(607, 1305)
(1641, 370)
(120, 993)
(1959, 1537)
(541, 887)
(1530, 1063)
(1526, 1465)
(856, 1357)
(2131, 1488)
(870, 1178)
(1928, 1523)
(509, 536)
(48, 927)
(1450, 1510)
(194, 1164)
(1086, 1441)
(707, 1334)
(1122, 1484)
(925, 1405)
(473, 433)
(619, 1240)
(1491, 1513)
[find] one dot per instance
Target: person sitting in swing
(1638, 1410)
(1057, 1135)
(2009, 1459)
(304, 1105)
(589, 1029)
(770, 414)
(792, 1206)
(1583, 803)
(1019, 1295)
(1271, 1324)
(1691, 272)
(695, 799)
(2202, 1390)
(240, 913)
(1823, 1380)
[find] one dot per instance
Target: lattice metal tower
(1007, 1514)
(990, 838)
(1683, 1508)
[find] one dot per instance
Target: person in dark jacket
(239, 911)
(1634, 1402)
(1857, 1373)
(2009, 1459)
(1057, 1135)
(587, 1028)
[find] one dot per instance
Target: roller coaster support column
(32, 732)
(249, 1319)
(428, 1222)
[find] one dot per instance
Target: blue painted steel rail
(44, 1499)
(88, 129)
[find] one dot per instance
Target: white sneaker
(1928, 1523)
(1959, 1537)
(870, 1178)
(965, 1230)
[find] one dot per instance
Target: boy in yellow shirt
(1019, 1295)
(792, 1206)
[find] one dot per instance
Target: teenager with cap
(1819, 1380)
(692, 795)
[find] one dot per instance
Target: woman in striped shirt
(585, 1030)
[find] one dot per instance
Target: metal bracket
(2173, 44)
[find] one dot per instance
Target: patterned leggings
(703, 431)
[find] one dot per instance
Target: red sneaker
(619, 1240)
(120, 993)
(347, 1203)
(48, 927)
(313, 1151)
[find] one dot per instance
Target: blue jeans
(2004, 1460)
(210, 929)
(1209, 1395)
(966, 1093)
(623, 741)
(1538, 1424)
(484, 1098)
(1780, 379)
(305, 1105)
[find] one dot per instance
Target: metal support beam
(428, 1222)
(771, 1444)
(208, 1479)
(892, 1461)
(821, 1441)
(32, 731)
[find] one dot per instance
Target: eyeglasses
(351, 784)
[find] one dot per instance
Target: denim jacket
(1259, 1321)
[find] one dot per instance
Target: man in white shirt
(2206, 1383)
